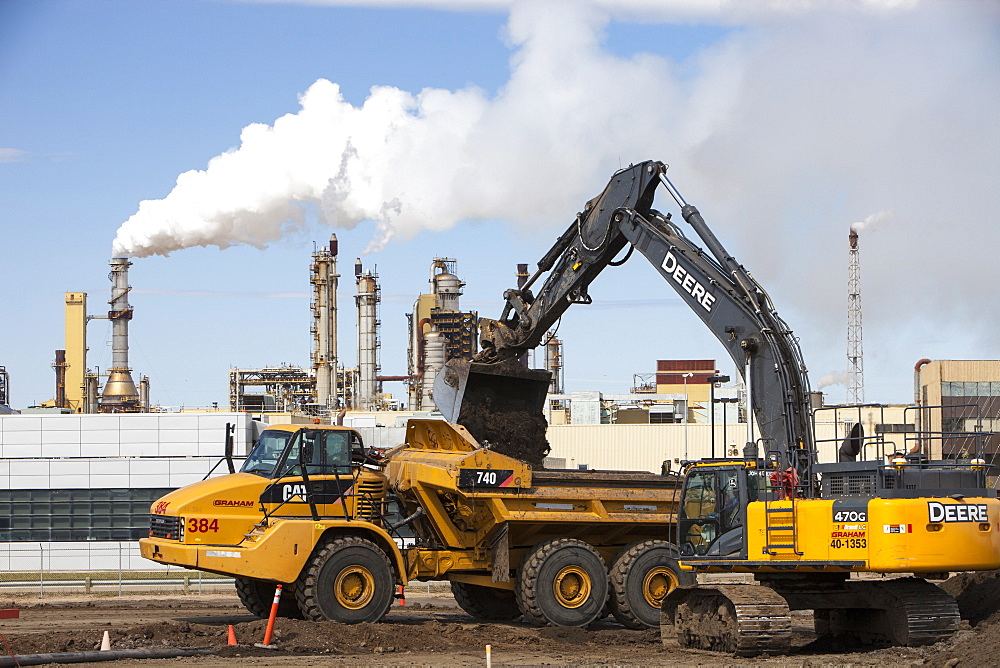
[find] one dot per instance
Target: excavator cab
(713, 510)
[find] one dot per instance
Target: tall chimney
(60, 367)
(522, 279)
(324, 280)
(120, 394)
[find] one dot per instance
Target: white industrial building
(76, 489)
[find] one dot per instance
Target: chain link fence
(116, 569)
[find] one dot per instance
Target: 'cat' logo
(288, 491)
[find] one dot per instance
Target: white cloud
(721, 11)
(13, 155)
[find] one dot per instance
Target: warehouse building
(960, 397)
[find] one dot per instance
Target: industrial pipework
(439, 331)
(120, 394)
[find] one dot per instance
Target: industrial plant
(81, 468)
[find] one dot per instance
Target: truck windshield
(266, 453)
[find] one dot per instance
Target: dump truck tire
(487, 603)
(258, 595)
(562, 582)
(641, 575)
(347, 580)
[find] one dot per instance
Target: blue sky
(783, 127)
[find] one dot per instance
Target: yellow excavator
(810, 533)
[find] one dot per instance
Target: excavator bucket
(489, 387)
(500, 404)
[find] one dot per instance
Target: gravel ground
(431, 630)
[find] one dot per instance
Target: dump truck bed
(476, 503)
(612, 479)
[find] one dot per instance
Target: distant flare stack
(120, 393)
(855, 345)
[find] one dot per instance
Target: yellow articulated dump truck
(310, 508)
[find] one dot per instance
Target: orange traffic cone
(232, 636)
(400, 595)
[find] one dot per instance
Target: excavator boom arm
(716, 287)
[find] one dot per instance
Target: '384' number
(202, 525)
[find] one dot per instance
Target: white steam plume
(872, 221)
(410, 162)
(833, 378)
(780, 131)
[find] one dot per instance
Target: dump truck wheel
(562, 582)
(486, 602)
(347, 580)
(258, 595)
(641, 575)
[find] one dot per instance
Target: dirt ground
(431, 630)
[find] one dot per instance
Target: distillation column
(435, 355)
(367, 299)
(120, 393)
(553, 363)
(324, 281)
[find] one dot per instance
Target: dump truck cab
(281, 518)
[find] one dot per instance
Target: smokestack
(119, 394)
(367, 301)
(324, 305)
(4, 387)
(522, 279)
(60, 367)
(522, 275)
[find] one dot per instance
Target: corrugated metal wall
(644, 447)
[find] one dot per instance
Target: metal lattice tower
(855, 348)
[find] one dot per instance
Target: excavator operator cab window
(712, 513)
(699, 524)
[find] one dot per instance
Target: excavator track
(744, 620)
(905, 611)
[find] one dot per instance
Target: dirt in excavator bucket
(501, 405)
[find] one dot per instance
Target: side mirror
(306, 453)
